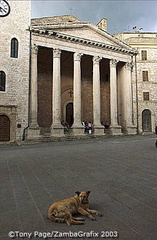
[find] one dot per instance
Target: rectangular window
(144, 55)
(146, 96)
(145, 75)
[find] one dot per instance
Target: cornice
(65, 37)
(71, 25)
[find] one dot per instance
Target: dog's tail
(56, 219)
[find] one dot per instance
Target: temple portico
(59, 72)
(75, 79)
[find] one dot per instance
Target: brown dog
(63, 210)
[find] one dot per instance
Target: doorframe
(65, 104)
(150, 127)
(10, 112)
(5, 115)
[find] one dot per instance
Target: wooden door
(4, 128)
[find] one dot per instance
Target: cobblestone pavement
(120, 172)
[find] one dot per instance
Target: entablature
(83, 41)
(51, 43)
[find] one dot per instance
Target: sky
(122, 15)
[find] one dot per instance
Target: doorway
(69, 113)
(146, 120)
(4, 128)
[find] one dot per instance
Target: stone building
(14, 68)
(61, 69)
(145, 79)
(78, 72)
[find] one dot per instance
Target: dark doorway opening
(4, 128)
(146, 120)
(69, 113)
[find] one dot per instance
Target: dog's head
(83, 197)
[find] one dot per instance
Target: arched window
(14, 48)
(2, 81)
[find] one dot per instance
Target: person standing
(156, 133)
(90, 127)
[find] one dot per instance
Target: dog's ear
(88, 192)
(78, 192)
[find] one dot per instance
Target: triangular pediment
(86, 31)
(71, 26)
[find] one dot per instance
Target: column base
(99, 130)
(131, 130)
(115, 130)
(33, 133)
(77, 131)
(57, 130)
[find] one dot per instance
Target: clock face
(4, 8)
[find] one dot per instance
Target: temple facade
(60, 69)
(79, 72)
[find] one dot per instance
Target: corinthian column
(115, 128)
(33, 94)
(33, 132)
(128, 98)
(56, 127)
(98, 128)
(77, 90)
(77, 128)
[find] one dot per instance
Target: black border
(8, 11)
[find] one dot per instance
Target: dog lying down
(64, 210)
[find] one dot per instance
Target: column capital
(56, 53)
(96, 59)
(34, 49)
(77, 56)
(129, 66)
(113, 62)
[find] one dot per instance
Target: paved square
(120, 172)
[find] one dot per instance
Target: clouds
(121, 15)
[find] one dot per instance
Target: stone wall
(144, 41)
(16, 25)
(44, 88)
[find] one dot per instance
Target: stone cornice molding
(67, 25)
(83, 41)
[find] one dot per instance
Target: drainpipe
(136, 79)
(24, 130)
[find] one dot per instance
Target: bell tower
(14, 65)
